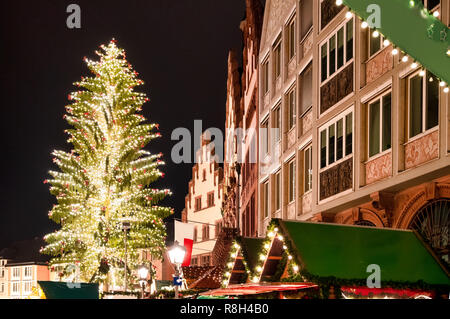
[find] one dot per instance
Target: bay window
(337, 51)
(336, 140)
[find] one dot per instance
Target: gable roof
(345, 252)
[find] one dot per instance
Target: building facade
(204, 202)
(251, 28)
(364, 133)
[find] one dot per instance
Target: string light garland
(104, 181)
(386, 42)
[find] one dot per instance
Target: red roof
(255, 289)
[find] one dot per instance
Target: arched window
(364, 222)
(432, 223)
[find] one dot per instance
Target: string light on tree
(104, 181)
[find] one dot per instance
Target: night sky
(179, 48)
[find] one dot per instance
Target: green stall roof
(413, 29)
(251, 248)
(341, 251)
(64, 290)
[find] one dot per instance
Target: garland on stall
(234, 253)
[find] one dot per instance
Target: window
(205, 232)
(265, 203)
(423, 102)
(218, 228)
(15, 288)
(195, 234)
(306, 82)
(379, 128)
(337, 51)
(336, 140)
(265, 138)
(206, 260)
(265, 75)
(277, 191)
(306, 10)
(292, 39)
(211, 199)
(198, 203)
(308, 169)
(28, 271)
(27, 287)
(277, 124)
(2, 288)
(292, 109)
(277, 58)
(16, 273)
(375, 43)
(204, 175)
(194, 261)
(292, 181)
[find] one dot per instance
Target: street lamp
(143, 273)
(176, 255)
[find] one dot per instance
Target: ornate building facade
(364, 136)
(241, 141)
(204, 202)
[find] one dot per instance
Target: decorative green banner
(412, 28)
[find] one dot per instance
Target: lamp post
(143, 273)
(126, 226)
(176, 255)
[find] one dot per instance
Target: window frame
(277, 193)
(380, 98)
(381, 39)
(308, 173)
(292, 174)
(30, 269)
(291, 28)
(424, 104)
(277, 51)
(265, 199)
(292, 108)
(265, 76)
(197, 207)
(325, 127)
(326, 41)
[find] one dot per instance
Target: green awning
(340, 251)
(64, 290)
(413, 29)
(251, 248)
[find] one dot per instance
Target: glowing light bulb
(290, 257)
(414, 65)
(436, 14)
(376, 34)
(280, 238)
(259, 269)
(386, 42)
(266, 246)
(442, 83)
(276, 229)
(422, 73)
(262, 257)
(394, 51)
(446, 90)
(405, 58)
(284, 247)
(348, 15)
(338, 2)
(364, 24)
(295, 268)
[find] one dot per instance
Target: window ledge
(423, 134)
(376, 156)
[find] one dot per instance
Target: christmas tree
(104, 181)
